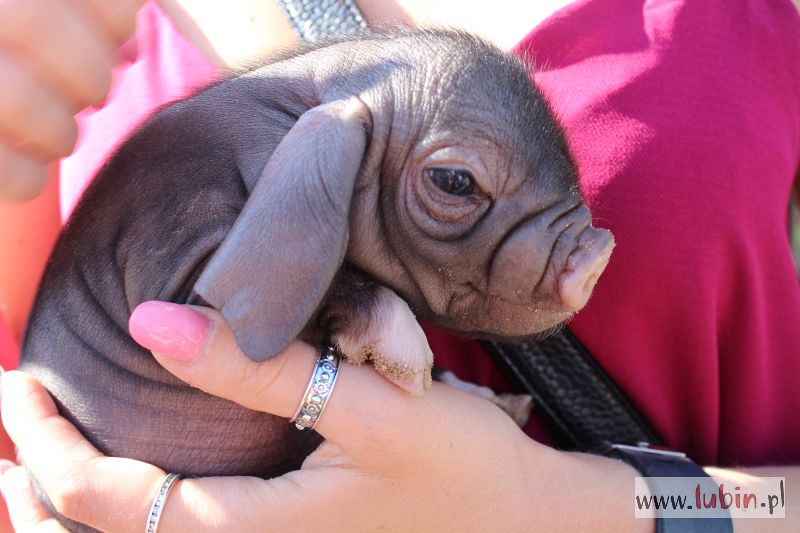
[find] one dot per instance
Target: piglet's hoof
(394, 343)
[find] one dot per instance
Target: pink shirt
(158, 66)
(684, 118)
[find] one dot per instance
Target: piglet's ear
(274, 267)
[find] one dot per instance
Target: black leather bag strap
(575, 398)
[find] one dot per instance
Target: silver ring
(319, 389)
(158, 502)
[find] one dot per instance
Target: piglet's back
(144, 230)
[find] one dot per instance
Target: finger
(32, 119)
(82, 484)
(24, 509)
(21, 177)
(62, 45)
(363, 406)
(274, 386)
(118, 17)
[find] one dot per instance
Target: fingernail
(170, 329)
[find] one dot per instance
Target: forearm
(592, 493)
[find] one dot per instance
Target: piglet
(346, 190)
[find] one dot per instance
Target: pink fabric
(158, 66)
(683, 117)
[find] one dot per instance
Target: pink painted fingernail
(170, 329)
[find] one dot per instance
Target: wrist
(583, 492)
(609, 484)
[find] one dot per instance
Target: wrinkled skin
(298, 198)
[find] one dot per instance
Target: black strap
(577, 401)
(657, 465)
(585, 410)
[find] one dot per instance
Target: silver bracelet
(319, 389)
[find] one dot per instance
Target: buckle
(642, 447)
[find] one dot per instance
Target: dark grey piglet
(342, 190)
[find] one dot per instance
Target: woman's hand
(56, 59)
(446, 461)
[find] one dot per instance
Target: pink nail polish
(170, 329)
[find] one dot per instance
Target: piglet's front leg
(393, 342)
(370, 323)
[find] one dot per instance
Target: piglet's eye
(456, 182)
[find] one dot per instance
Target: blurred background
(796, 236)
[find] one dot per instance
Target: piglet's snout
(583, 266)
(553, 261)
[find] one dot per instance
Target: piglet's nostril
(584, 266)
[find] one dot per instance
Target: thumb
(24, 509)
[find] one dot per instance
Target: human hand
(446, 461)
(56, 59)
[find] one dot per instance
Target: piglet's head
(428, 161)
(485, 230)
